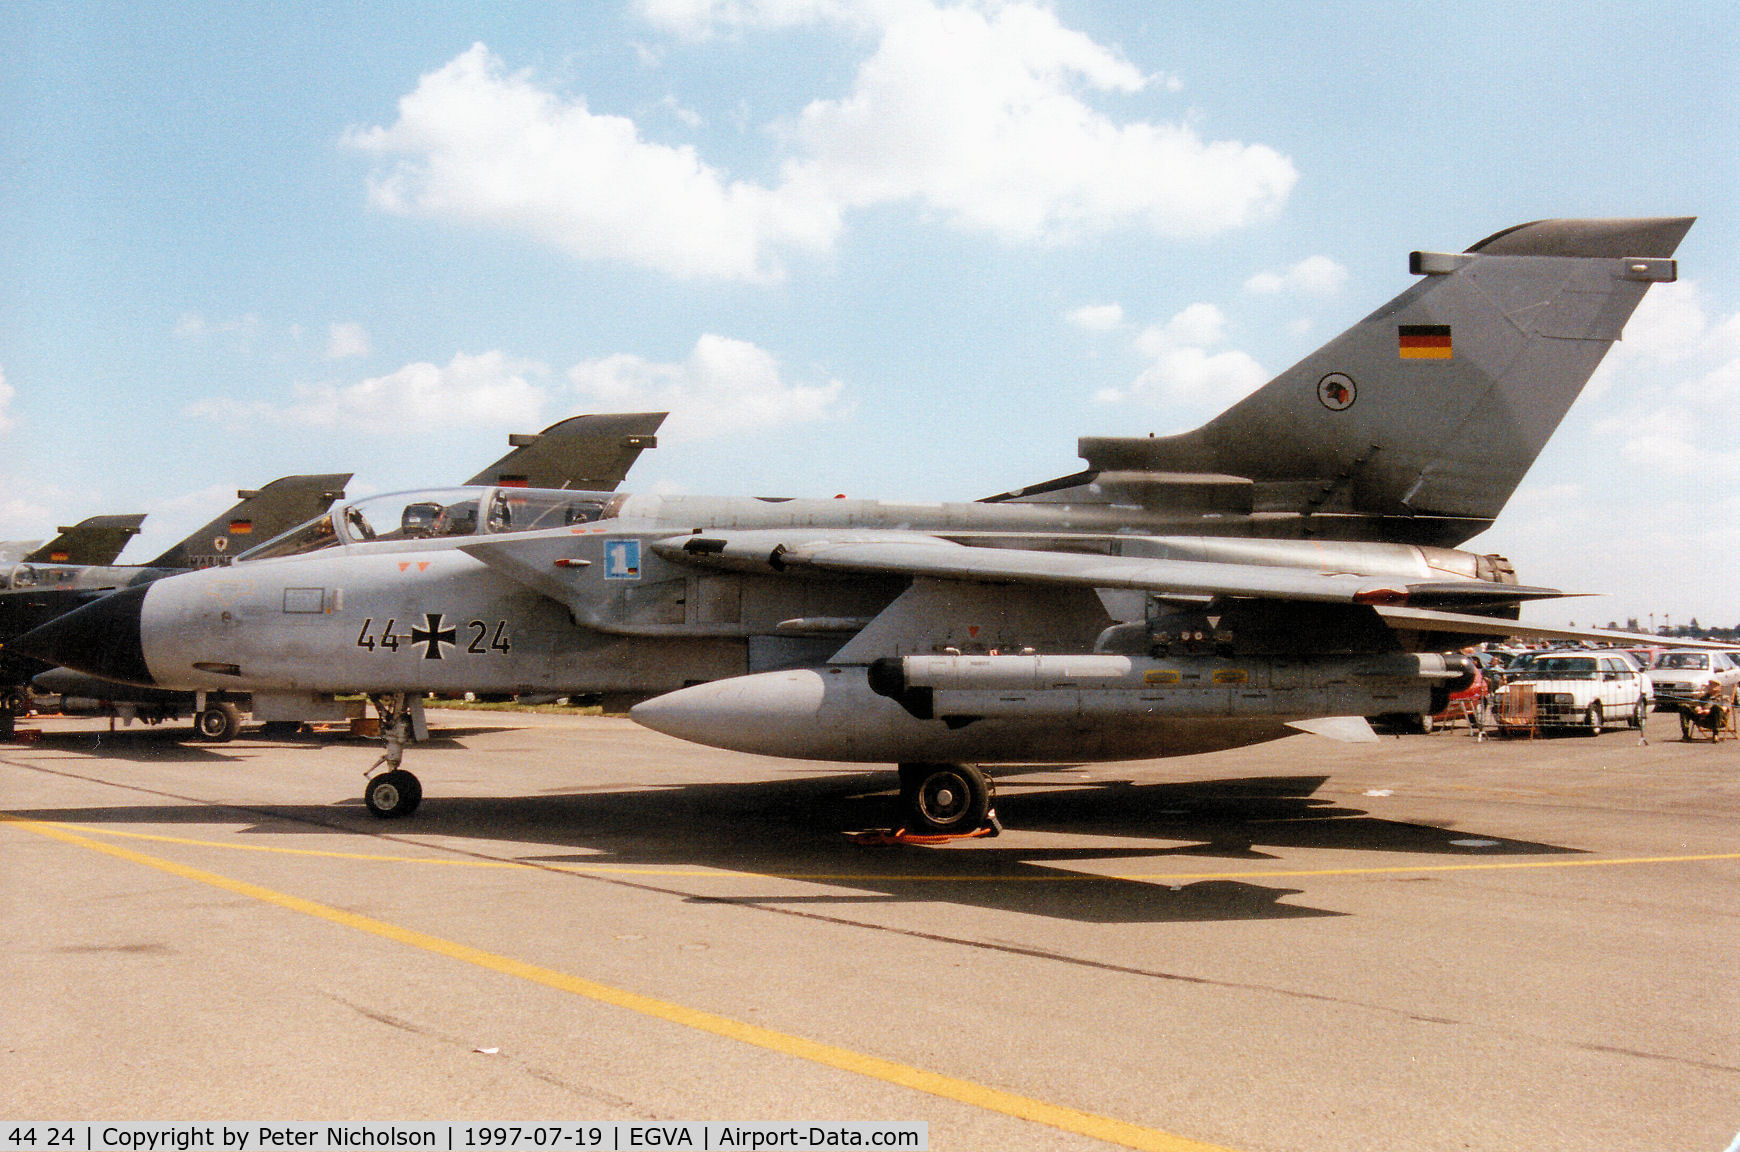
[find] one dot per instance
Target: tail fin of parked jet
(590, 453)
(278, 507)
(93, 540)
(1418, 422)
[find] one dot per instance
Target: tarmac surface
(1432, 942)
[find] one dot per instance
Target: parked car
(1469, 704)
(1582, 689)
(1681, 673)
(1646, 657)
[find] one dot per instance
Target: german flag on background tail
(1423, 341)
(241, 527)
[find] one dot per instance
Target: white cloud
(1674, 379)
(1672, 442)
(976, 114)
(723, 386)
(1312, 276)
(682, 112)
(194, 326)
(7, 392)
(488, 389)
(346, 340)
(477, 145)
(1185, 373)
(1657, 419)
(703, 19)
(1197, 324)
(1097, 317)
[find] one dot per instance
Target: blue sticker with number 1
(622, 559)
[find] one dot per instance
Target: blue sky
(899, 248)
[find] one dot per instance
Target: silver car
(1680, 675)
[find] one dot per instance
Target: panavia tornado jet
(1293, 563)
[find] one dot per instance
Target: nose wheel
(945, 799)
(395, 792)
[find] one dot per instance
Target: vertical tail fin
(93, 540)
(590, 453)
(278, 507)
(1420, 421)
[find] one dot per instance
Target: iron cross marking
(433, 635)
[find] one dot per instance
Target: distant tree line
(1689, 631)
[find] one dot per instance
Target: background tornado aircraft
(590, 451)
(93, 540)
(1294, 559)
(37, 589)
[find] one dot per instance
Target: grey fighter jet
(1292, 563)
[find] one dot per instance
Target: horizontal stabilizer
(1486, 627)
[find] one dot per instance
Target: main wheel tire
(944, 799)
(1592, 718)
(218, 723)
(393, 794)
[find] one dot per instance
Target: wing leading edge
(919, 555)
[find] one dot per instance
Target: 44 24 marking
(434, 636)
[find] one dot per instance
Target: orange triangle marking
(404, 564)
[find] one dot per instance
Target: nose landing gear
(395, 792)
(392, 794)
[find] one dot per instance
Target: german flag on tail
(241, 527)
(1423, 341)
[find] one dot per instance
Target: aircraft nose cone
(100, 639)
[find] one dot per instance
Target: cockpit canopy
(439, 512)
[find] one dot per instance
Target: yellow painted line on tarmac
(680, 872)
(1056, 1116)
(277, 849)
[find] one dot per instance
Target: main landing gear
(946, 799)
(395, 792)
(13, 704)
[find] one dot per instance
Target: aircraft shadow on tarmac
(171, 743)
(789, 830)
